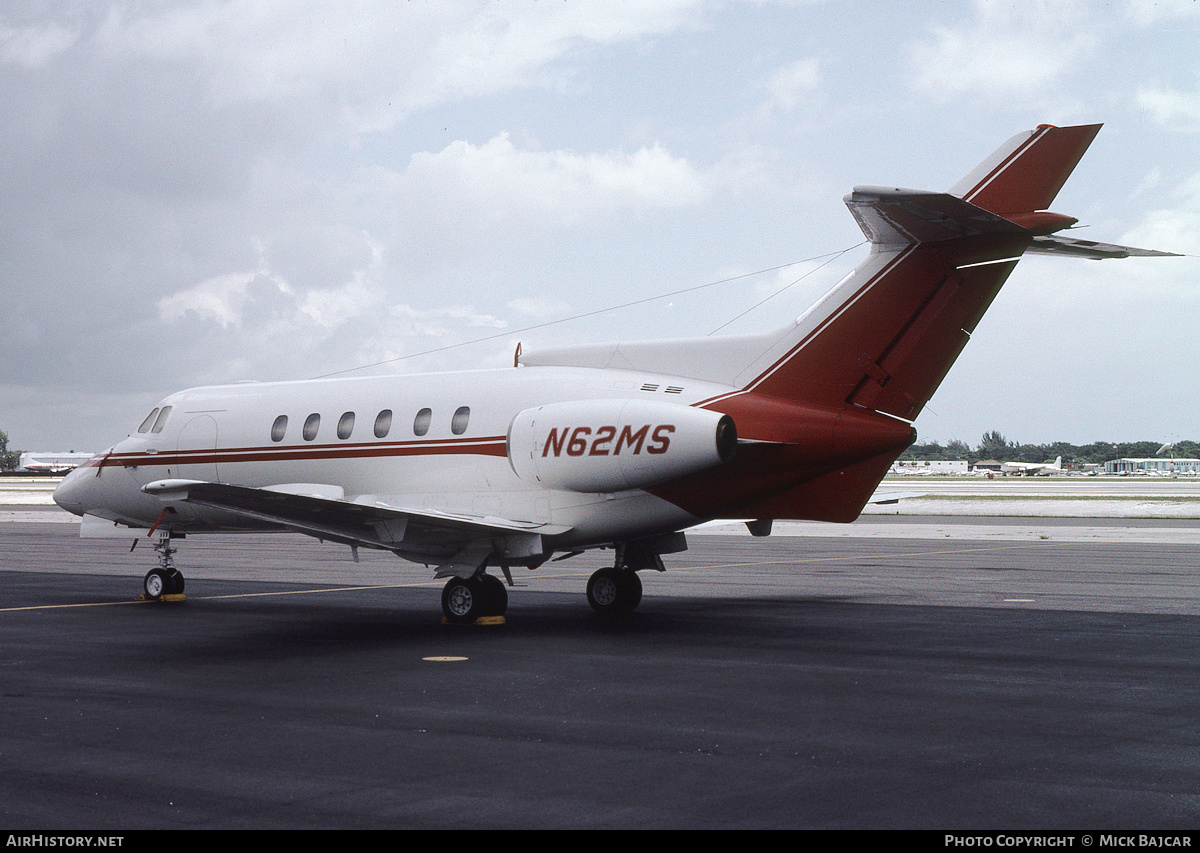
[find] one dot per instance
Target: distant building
(1153, 465)
(52, 460)
(929, 466)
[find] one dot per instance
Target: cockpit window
(279, 428)
(146, 424)
(345, 425)
(311, 424)
(161, 421)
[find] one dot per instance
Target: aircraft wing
(882, 497)
(320, 511)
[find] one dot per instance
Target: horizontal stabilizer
(1055, 245)
(897, 217)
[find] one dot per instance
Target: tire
(613, 590)
(496, 595)
(176, 580)
(635, 588)
(464, 601)
(156, 584)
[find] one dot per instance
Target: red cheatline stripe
(495, 446)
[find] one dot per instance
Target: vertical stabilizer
(884, 338)
(1026, 173)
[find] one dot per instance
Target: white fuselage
(427, 460)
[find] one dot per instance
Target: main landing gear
(166, 579)
(617, 589)
(465, 600)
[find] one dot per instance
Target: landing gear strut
(466, 599)
(166, 579)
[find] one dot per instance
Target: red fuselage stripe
(495, 446)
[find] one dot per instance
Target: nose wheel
(166, 579)
(159, 582)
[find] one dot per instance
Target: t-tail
(824, 406)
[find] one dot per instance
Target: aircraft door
(197, 450)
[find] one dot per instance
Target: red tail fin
(1026, 173)
(886, 336)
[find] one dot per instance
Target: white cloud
(500, 185)
(1174, 229)
(792, 82)
(1171, 107)
(376, 61)
(34, 46)
(1144, 12)
(221, 298)
(539, 308)
(997, 54)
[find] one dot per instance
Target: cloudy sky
(205, 192)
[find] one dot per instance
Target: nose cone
(72, 492)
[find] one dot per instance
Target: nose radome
(70, 492)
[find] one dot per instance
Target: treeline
(995, 446)
(9, 459)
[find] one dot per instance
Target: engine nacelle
(612, 445)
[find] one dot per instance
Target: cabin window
(146, 424)
(311, 424)
(421, 421)
(345, 425)
(279, 428)
(161, 420)
(458, 424)
(383, 423)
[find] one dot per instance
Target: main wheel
(464, 600)
(614, 590)
(156, 584)
(496, 595)
(175, 580)
(635, 588)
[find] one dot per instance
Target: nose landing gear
(166, 579)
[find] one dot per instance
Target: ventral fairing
(620, 446)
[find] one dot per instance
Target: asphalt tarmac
(862, 681)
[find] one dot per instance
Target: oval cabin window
(311, 424)
(421, 421)
(383, 423)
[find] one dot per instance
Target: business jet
(1030, 469)
(621, 446)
